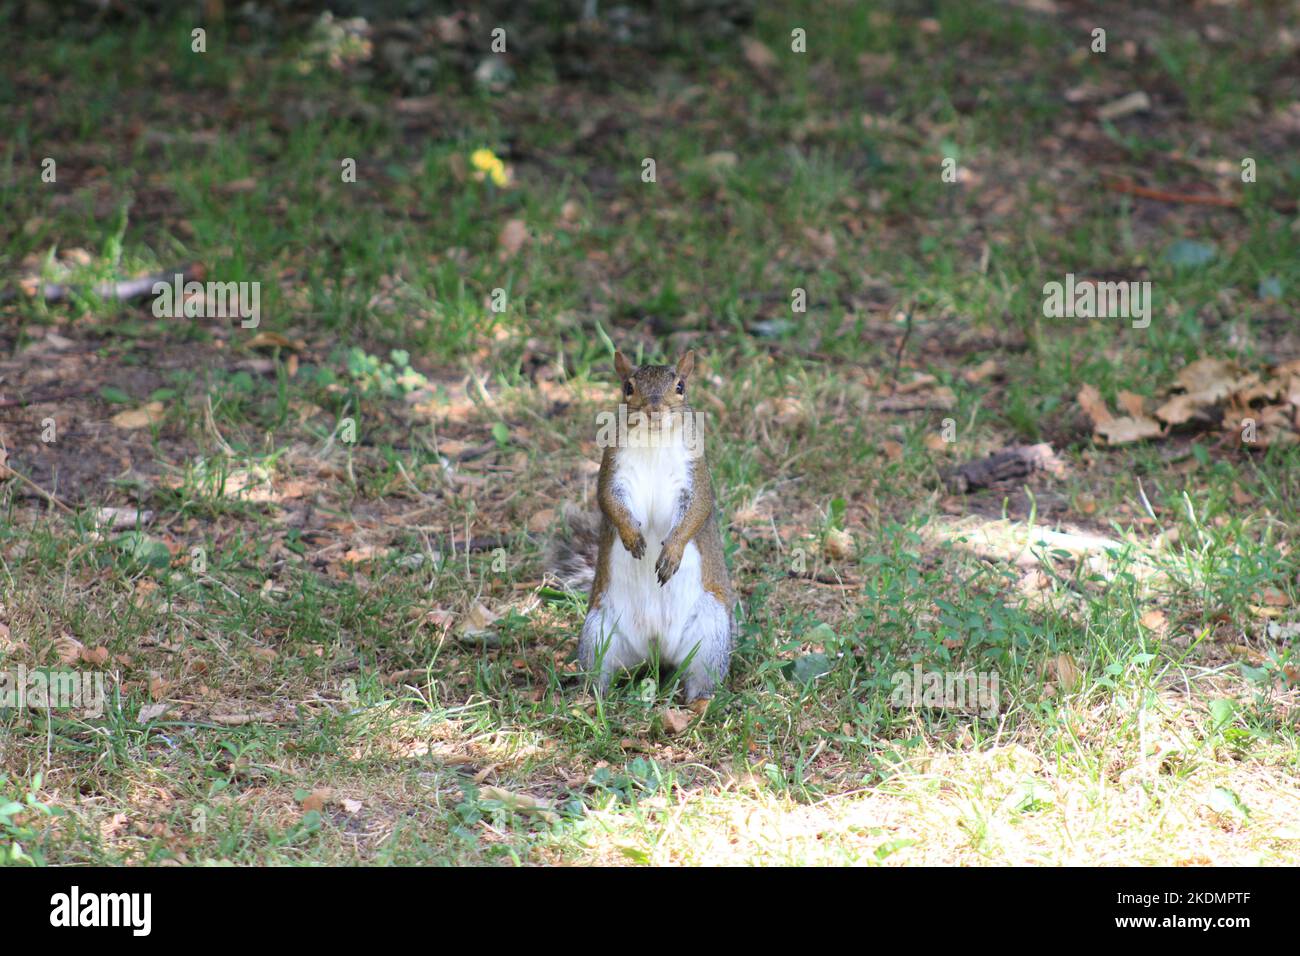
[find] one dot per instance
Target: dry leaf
(269, 340)
(1093, 405)
(838, 544)
(315, 800)
(69, 649)
(439, 617)
(936, 443)
(1132, 403)
(1120, 431)
(141, 417)
(541, 520)
(1137, 102)
(520, 802)
(1274, 598)
(367, 552)
(1205, 383)
(1065, 671)
(1182, 408)
(675, 719)
(757, 54)
(152, 712)
(97, 656)
(245, 185)
(984, 370)
(1154, 620)
(822, 240)
(478, 620)
(449, 30)
(512, 237)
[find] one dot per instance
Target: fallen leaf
(822, 240)
(1137, 102)
(675, 719)
(520, 802)
(1093, 405)
(97, 656)
(1154, 620)
(315, 800)
(1120, 431)
(477, 620)
(757, 54)
(838, 544)
(1274, 598)
(364, 554)
(245, 185)
(152, 712)
(985, 369)
(512, 237)
(269, 340)
(141, 417)
(1132, 403)
(723, 159)
(1065, 670)
(449, 30)
(541, 520)
(69, 649)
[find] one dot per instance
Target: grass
(345, 682)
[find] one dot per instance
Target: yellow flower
(486, 162)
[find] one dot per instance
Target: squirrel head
(656, 389)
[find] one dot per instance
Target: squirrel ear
(622, 366)
(686, 363)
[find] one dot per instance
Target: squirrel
(660, 577)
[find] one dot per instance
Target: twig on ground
(1130, 188)
(123, 289)
(8, 470)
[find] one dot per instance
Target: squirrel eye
(627, 388)
(681, 388)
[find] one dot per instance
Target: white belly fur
(646, 614)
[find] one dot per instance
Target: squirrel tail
(571, 550)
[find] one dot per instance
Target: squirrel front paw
(670, 558)
(635, 543)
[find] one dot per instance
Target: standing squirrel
(660, 579)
